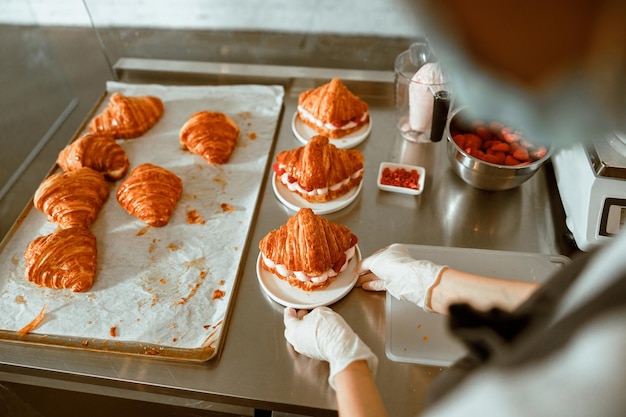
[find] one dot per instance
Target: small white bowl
(397, 189)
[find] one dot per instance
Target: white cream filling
(294, 186)
(301, 276)
(330, 126)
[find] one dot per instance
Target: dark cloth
(503, 339)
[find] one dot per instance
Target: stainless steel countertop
(255, 368)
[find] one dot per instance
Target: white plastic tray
(414, 336)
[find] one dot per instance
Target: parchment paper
(167, 286)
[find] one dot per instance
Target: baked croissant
(65, 259)
(308, 251)
(150, 193)
(212, 135)
(128, 117)
(319, 171)
(72, 198)
(98, 151)
(332, 110)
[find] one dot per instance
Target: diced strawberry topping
(278, 170)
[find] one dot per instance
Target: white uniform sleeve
(586, 378)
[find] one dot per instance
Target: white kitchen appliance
(592, 184)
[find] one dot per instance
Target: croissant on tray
(65, 259)
(128, 117)
(98, 151)
(319, 171)
(308, 251)
(332, 110)
(212, 135)
(150, 193)
(72, 198)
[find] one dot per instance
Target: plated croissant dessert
(98, 151)
(319, 171)
(212, 135)
(150, 193)
(308, 251)
(65, 259)
(127, 117)
(72, 198)
(332, 110)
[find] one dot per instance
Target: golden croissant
(65, 259)
(98, 151)
(150, 193)
(212, 135)
(72, 198)
(128, 117)
(319, 171)
(308, 251)
(332, 110)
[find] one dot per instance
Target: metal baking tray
(181, 266)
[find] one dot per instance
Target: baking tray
(163, 292)
(414, 336)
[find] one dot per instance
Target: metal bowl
(485, 175)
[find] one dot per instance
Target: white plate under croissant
(304, 133)
(294, 202)
(283, 293)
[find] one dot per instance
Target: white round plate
(280, 291)
(304, 133)
(295, 202)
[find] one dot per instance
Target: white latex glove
(324, 335)
(394, 270)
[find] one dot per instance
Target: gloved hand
(394, 270)
(324, 335)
